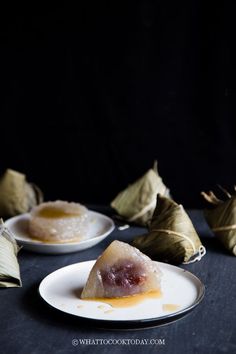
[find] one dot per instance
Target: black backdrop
(90, 96)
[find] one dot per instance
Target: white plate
(61, 289)
(100, 226)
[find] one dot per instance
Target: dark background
(91, 95)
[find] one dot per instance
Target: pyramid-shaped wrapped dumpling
(122, 270)
(137, 202)
(172, 237)
(222, 218)
(17, 196)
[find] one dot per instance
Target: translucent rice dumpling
(222, 218)
(59, 221)
(121, 271)
(172, 237)
(137, 202)
(17, 196)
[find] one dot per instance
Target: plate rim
(61, 245)
(149, 322)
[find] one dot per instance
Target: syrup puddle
(170, 307)
(128, 300)
(101, 307)
(49, 212)
(108, 311)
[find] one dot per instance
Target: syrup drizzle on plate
(128, 301)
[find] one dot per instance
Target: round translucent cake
(59, 221)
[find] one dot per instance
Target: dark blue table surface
(29, 326)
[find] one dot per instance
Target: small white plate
(61, 289)
(100, 226)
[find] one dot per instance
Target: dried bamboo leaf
(9, 267)
(137, 202)
(211, 198)
(225, 191)
(172, 237)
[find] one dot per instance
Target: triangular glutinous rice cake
(122, 270)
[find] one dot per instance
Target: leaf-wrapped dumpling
(137, 202)
(17, 196)
(9, 266)
(222, 219)
(172, 237)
